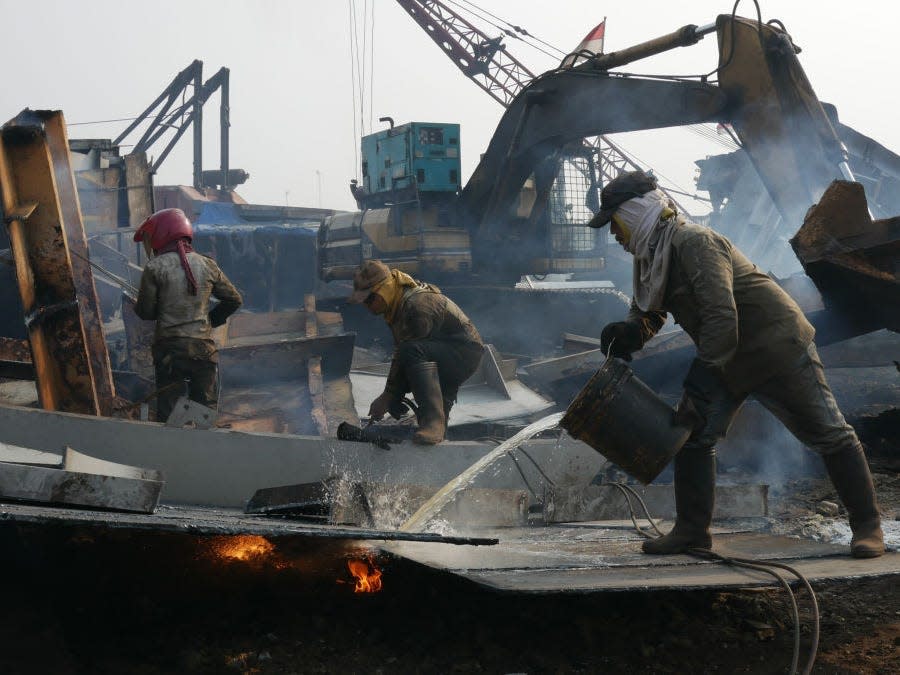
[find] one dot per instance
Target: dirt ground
(107, 602)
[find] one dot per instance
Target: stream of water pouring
(446, 494)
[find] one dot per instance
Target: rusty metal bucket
(625, 421)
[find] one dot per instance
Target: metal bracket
(21, 212)
(190, 413)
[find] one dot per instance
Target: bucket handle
(609, 351)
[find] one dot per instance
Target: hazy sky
(292, 101)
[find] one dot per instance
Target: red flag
(592, 42)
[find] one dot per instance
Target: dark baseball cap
(370, 274)
(619, 190)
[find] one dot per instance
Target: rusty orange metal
(61, 312)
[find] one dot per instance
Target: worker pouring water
(751, 338)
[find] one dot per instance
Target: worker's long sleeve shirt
(165, 297)
(743, 323)
(425, 314)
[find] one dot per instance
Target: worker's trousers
(800, 397)
(457, 362)
(184, 367)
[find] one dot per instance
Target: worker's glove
(398, 408)
(622, 337)
(216, 317)
(380, 406)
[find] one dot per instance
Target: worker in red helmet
(176, 287)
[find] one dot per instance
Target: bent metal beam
(41, 210)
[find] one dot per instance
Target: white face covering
(650, 243)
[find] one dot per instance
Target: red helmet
(164, 227)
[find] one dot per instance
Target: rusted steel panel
(314, 371)
(14, 350)
(256, 327)
(15, 359)
(852, 259)
(73, 488)
(82, 276)
(34, 216)
(139, 338)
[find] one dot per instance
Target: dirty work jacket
(164, 296)
(743, 323)
(425, 314)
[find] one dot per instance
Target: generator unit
(418, 157)
(410, 183)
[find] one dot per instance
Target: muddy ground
(107, 602)
(100, 602)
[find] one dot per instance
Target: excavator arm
(761, 91)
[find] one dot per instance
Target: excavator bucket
(852, 259)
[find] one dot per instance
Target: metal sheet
(56, 486)
(604, 502)
(205, 521)
(591, 558)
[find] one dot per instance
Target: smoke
(760, 444)
(532, 322)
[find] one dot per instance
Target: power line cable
(655, 172)
(372, 67)
(362, 74)
(353, 90)
(121, 119)
(360, 77)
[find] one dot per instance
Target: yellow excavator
(504, 223)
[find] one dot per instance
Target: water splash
(448, 493)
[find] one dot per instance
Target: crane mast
(486, 62)
(482, 59)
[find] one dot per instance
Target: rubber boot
(849, 472)
(695, 494)
(426, 388)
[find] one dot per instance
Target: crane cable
(517, 29)
(362, 60)
(371, 64)
(350, 7)
(506, 31)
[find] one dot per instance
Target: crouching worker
(436, 347)
(751, 338)
(176, 286)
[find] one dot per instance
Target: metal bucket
(625, 421)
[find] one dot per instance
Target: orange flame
(366, 581)
(243, 547)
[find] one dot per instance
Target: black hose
(814, 647)
(760, 566)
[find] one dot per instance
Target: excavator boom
(761, 91)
